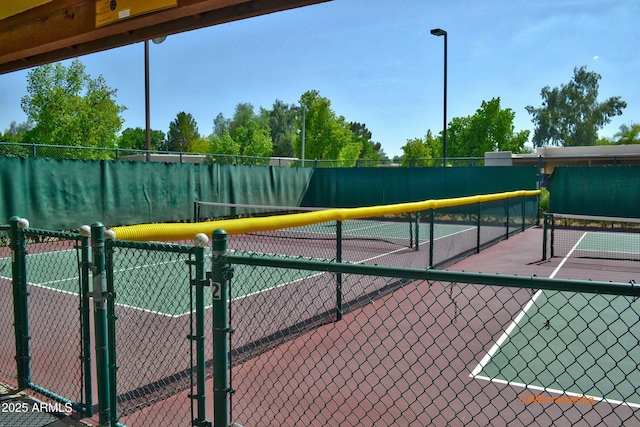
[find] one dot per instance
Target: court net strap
(261, 207)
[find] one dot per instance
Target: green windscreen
(596, 190)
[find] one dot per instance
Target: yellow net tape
(167, 232)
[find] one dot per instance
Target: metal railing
(543, 163)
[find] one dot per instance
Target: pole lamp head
(438, 32)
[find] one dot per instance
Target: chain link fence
(280, 340)
(546, 164)
(7, 333)
(447, 350)
(45, 303)
(153, 331)
(58, 316)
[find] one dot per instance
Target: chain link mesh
(55, 323)
(11, 149)
(425, 353)
(7, 333)
(153, 322)
(325, 343)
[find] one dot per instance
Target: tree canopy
(245, 134)
(489, 129)
(136, 139)
(628, 134)
(571, 115)
(68, 107)
(183, 132)
(418, 152)
(327, 135)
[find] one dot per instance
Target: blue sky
(377, 63)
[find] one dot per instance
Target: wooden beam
(66, 28)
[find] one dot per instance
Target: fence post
(20, 295)
(338, 274)
(417, 231)
(200, 282)
(220, 275)
(544, 238)
(524, 212)
(432, 219)
(100, 296)
(111, 330)
(85, 319)
(507, 209)
(478, 225)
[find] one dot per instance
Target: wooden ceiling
(36, 32)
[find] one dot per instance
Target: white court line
(556, 391)
(160, 313)
(515, 322)
(503, 337)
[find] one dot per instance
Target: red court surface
(321, 397)
(358, 371)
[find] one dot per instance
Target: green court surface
(571, 344)
(158, 283)
(385, 229)
(601, 242)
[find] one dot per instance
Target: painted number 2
(216, 290)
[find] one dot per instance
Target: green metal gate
(51, 314)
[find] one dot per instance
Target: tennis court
(589, 348)
(576, 348)
(403, 351)
(487, 354)
(385, 239)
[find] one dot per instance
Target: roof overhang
(36, 32)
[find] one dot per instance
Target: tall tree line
(67, 107)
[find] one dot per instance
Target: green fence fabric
(596, 190)
(342, 187)
(60, 194)
(63, 194)
(258, 185)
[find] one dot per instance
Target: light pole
(304, 122)
(441, 32)
(146, 92)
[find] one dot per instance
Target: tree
(136, 139)
(254, 140)
(243, 114)
(69, 108)
(201, 146)
(220, 125)
(16, 131)
(629, 134)
(419, 152)
(183, 132)
(370, 150)
(282, 122)
(571, 115)
(246, 134)
(224, 145)
(327, 136)
(489, 129)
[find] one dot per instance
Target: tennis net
(414, 239)
(359, 241)
(588, 236)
